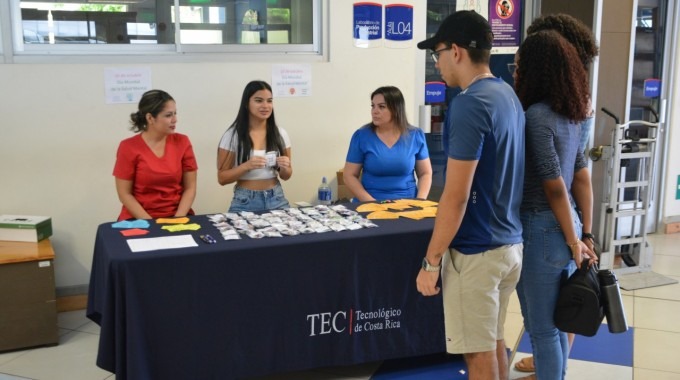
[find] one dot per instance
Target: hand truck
(623, 221)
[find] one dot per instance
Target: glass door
(437, 95)
(647, 77)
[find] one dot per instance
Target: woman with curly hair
(582, 38)
(573, 30)
(555, 96)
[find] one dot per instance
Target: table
(253, 307)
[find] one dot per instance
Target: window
(122, 26)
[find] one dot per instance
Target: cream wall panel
(613, 76)
(612, 85)
(617, 16)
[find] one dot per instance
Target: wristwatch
(430, 268)
(587, 235)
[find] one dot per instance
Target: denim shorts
(258, 200)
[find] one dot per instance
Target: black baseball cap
(464, 28)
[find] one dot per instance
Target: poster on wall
(126, 85)
(291, 80)
(367, 27)
(504, 17)
(479, 6)
(398, 26)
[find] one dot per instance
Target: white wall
(58, 139)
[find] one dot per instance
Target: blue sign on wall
(367, 21)
(398, 22)
(435, 92)
(652, 88)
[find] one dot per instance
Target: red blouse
(156, 181)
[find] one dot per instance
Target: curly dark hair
(575, 31)
(546, 73)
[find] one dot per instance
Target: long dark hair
(548, 70)
(242, 123)
(153, 102)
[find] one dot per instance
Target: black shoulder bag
(579, 307)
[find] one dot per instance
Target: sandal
(525, 365)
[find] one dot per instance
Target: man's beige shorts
(476, 289)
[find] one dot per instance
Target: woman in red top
(156, 169)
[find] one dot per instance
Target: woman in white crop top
(255, 153)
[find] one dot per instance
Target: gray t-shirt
(552, 150)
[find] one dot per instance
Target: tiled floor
(653, 313)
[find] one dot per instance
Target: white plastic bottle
(325, 195)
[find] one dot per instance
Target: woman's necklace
(480, 76)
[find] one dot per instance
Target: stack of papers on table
(165, 242)
(423, 209)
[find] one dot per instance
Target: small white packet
(254, 234)
(271, 158)
(322, 229)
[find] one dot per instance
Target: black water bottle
(613, 304)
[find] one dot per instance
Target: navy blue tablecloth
(252, 307)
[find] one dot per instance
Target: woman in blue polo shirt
(387, 152)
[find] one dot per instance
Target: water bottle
(613, 305)
(324, 193)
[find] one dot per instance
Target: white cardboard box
(25, 228)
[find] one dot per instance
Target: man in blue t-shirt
(477, 238)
